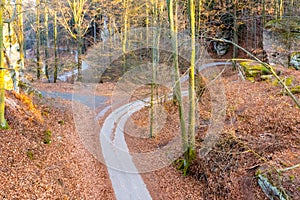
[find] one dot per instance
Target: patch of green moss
(47, 137)
(61, 122)
(295, 90)
(255, 70)
(5, 126)
(292, 177)
(29, 154)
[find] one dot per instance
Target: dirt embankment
(42, 156)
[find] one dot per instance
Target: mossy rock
(254, 70)
(295, 90)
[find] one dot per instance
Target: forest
(150, 99)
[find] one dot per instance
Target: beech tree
(47, 44)
(74, 19)
(173, 20)
(19, 30)
(190, 153)
(55, 46)
(38, 40)
(125, 29)
(3, 123)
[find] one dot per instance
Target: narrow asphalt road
(126, 180)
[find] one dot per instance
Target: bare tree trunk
(38, 38)
(177, 87)
(199, 16)
(3, 123)
(191, 129)
(281, 9)
(155, 61)
(124, 41)
(235, 34)
(20, 34)
(79, 60)
(264, 12)
(55, 47)
(95, 31)
(47, 41)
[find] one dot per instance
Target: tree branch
(269, 67)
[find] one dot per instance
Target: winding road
(125, 178)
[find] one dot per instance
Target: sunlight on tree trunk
(155, 61)
(191, 129)
(281, 9)
(147, 22)
(19, 27)
(47, 40)
(3, 123)
(125, 28)
(173, 20)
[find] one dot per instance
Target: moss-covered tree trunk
(173, 20)
(3, 124)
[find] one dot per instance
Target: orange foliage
(29, 106)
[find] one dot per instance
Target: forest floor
(261, 133)
(42, 156)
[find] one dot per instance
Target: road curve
(126, 180)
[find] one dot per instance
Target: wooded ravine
(149, 99)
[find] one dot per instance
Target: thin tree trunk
(199, 16)
(38, 38)
(155, 61)
(3, 123)
(95, 31)
(20, 35)
(235, 35)
(281, 9)
(55, 47)
(147, 22)
(264, 12)
(47, 41)
(177, 87)
(191, 129)
(79, 55)
(124, 41)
